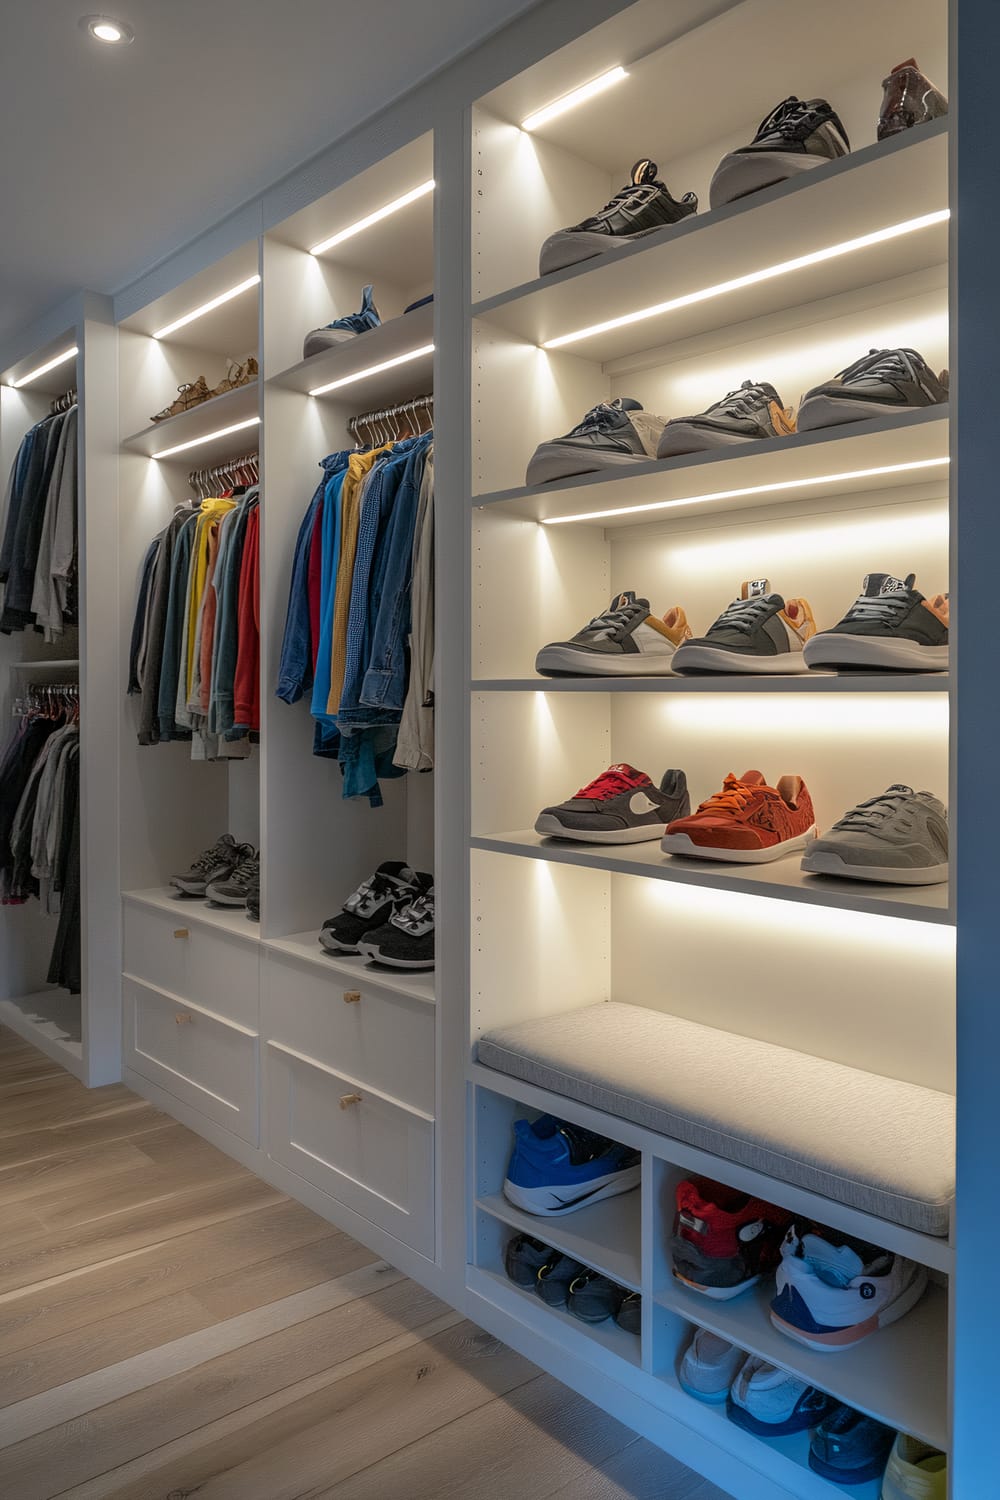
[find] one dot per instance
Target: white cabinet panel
(173, 952)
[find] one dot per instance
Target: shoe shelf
(305, 947)
(390, 344)
(782, 880)
(575, 1335)
(192, 909)
(605, 1235)
(198, 423)
(803, 682)
(775, 471)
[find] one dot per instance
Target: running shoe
(622, 806)
(900, 837)
(748, 822)
(612, 434)
(890, 626)
(241, 883)
(629, 1314)
(594, 1298)
(909, 98)
(885, 381)
(523, 1258)
(215, 864)
(369, 907)
(640, 208)
(627, 640)
(406, 940)
(758, 632)
(557, 1168)
(556, 1276)
(771, 1403)
(709, 1367)
(849, 1447)
(724, 1240)
(834, 1291)
(342, 330)
(797, 136)
(915, 1471)
(752, 413)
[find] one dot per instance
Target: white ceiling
(115, 156)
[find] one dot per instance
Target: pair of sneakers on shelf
(226, 874)
(389, 919)
(561, 1281)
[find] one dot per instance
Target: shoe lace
(744, 614)
(416, 914)
(882, 609)
(735, 796)
(790, 112)
(613, 619)
(601, 416)
(247, 873)
(870, 815)
(609, 784)
(887, 363)
(222, 850)
(371, 893)
(742, 402)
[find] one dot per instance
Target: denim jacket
(295, 668)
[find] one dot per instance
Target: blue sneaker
(342, 329)
(850, 1448)
(556, 1168)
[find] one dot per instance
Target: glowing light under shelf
(208, 437)
(373, 218)
(576, 96)
(207, 307)
(40, 370)
(387, 364)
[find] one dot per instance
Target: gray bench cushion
(882, 1146)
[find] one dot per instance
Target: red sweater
(246, 683)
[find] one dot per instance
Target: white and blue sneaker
(709, 1367)
(834, 1290)
(771, 1403)
(556, 1168)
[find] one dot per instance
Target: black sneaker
(524, 1258)
(234, 890)
(371, 904)
(612, 433)
(754, 411)
(555, 1278)
(796, 136)
(758, 632)
(889, 625)
(885, 381)
(406, 940)
(217, 863)
(621, 807)
(594, 1298)
(643, 206)
(627, 640)
(629, 1315)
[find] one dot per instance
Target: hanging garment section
(359, 631)
(40, 819)
(194, 658)
(38, 550)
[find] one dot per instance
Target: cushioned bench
(879, 1145)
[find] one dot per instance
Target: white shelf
(305, 947)
(44, 664)
(869, 190)
(348, 362)
(806, 682)
(912, 437)
(198, 422)
(579, 1336)
(606, 1235)
(898, 1375)
(781, 880)
(35, 1017)
(195, 909)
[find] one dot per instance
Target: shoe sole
(685, 437)
(228, 901)
(874, 1469)
(740, 1417)
(543, 1202)
(847, 1338)
(712, 659)
(830, 650)
(681, 843)
(332, 946)
(563, 461)
(569, 248)
(820, 862)
(742, 173)
(369, 951)
(836, 411)
(566, 661)
(550, 828)
(717, 1293)
(191, 887)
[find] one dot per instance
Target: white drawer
(199, 1058)
(381, 1038)
(171, 952)
(366, 1151)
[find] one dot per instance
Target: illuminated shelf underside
(201, 422)
(389, 341)
(805, 682)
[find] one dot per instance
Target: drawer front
(198, 1058)
(218, 972)
(364, 1150)
(381, 1038)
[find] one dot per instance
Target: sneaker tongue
(753, 778)
(837, 1265)
(643, 172)
(628, 599)
(755, 588)
(897, 786)
(631, 774)
(876, 584)
(911, 62)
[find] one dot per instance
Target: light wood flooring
(170, 1326)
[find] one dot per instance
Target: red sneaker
(724, 1241)
(748, 822)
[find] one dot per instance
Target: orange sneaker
(748, 822)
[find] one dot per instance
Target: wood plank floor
(171, 1326)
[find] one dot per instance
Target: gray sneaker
(217, 863)
(612, 434)
(900, 837)
(243, 883)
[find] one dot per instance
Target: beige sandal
(191, 394)
(237, 375)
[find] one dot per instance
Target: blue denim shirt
(298, 649)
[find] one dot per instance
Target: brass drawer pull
(181, 932)
(183, 1018)
(352, 997)
(346, 1100)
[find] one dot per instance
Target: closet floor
(171, 1325)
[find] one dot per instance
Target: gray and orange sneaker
(626, 640)
(758, 633)
(752, 413)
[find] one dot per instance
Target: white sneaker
(915, 1472)
(834, 1291)
(709, 1367)
(771, 1403)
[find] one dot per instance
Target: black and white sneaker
(612, 434)
(406, 940)
(889, 625)
(627, 640)
(796, 136)
(753, 412)
(622, 806)
(216, 864)
(758, 632)
(641, 207)
(883, 382)
(235, 891)
(372, 903)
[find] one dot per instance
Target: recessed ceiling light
(107, 29)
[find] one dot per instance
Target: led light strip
(388, 364)
(208, 438)
(571, 100)
(380, 213)
(768, 273)
(207, 307)
(52, 364)
(756, 489)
